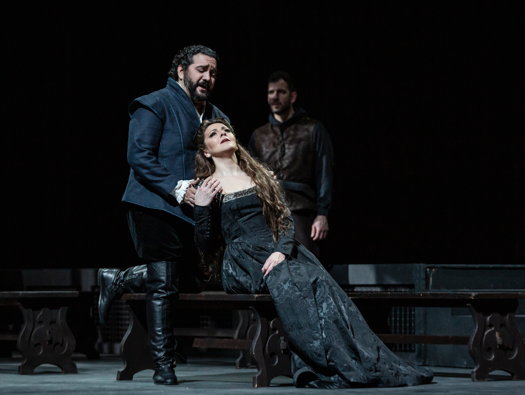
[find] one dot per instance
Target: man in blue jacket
(159, 198)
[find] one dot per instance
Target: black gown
(332, 345)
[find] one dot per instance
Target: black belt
(300, 187)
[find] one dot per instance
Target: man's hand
(189, 196)
(319, 228)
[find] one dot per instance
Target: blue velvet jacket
(161, 150)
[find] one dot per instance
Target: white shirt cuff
(180, 190)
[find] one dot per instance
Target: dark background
(420, 99)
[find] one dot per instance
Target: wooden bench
(44, 336)
(495, 343)
(261, 334)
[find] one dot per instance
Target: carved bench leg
(46, 338)
(134, 347)
(496, 343)
(245, 329)
(269, 349)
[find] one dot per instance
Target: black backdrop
(419, 98)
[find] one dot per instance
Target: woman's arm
(206, 229)
(206, 223)
(283, 247)
(286, 241)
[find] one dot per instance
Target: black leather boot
(161, 291)
(114, 282)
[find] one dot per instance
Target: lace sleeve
(206, 228)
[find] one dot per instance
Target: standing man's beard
(285, 108)
(192, 88)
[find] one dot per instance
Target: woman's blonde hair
(267, 187)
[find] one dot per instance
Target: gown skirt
(332, 345)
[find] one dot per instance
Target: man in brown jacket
(298, 149)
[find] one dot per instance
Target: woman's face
(219, 140)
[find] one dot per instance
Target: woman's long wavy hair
(267, 187)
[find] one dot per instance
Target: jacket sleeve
(145, 132)
(324, 169)
(207, 232)
(286, 241)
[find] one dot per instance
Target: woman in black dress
(241, 219)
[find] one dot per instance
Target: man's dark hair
(282, 75)
(185, 57)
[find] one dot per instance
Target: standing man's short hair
(282, 75)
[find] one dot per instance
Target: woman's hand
(272, 261)
(206, 191)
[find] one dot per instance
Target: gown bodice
(248, 242)
(242, 218)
